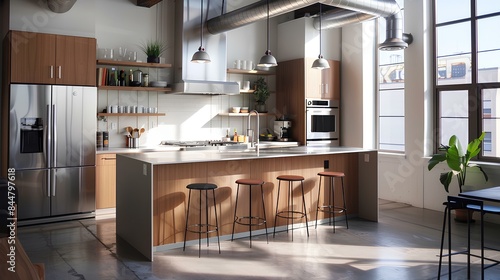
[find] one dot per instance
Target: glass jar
(145, 80)
(137, 79)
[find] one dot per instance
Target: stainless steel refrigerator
(52, 147)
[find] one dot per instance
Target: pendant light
(320, 63)
(268, 59)
(201, 56)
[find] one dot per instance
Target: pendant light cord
(267, 27)
(201, 33)
(320, 30)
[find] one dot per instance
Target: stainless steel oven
(322, 122)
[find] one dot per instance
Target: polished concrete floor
(403, 245)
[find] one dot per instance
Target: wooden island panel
(170, 194)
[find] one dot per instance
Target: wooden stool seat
(331, 174)
(290, 178)
(250, 182)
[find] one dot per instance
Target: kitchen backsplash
(187, 117)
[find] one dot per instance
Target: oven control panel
(322, 103)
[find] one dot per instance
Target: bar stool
(289, 213)
(456, 202)
(331, 208)
(200, 227)
(250, 220)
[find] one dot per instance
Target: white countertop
(176, 157)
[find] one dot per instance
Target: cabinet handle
(51, 71)
(59, 71)
(109, 158)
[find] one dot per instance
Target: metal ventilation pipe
(335, 19)
(60, 6)
(359, 10)
(395, 38)
(254, 12)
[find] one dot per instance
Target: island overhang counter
(151, 194)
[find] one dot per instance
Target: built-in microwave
(322, 122)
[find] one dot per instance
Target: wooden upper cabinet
(39, 58)
(75, 60)
(322, 84)
(32, 57)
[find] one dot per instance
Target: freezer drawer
(33, 194)
(73, 190)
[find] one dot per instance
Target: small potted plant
(153, 50)
(458, 161)
(261, 94)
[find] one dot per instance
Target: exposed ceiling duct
(60, 6)
(356, 11)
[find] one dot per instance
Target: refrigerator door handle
(53, 182)
(54, 136)
(49, 181)
(48, 147)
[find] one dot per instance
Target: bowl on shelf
(158, 84)
(235, 109)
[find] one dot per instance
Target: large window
(467, 74)
(391, 72)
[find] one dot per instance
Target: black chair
(457, 202)
(250, 220)
(331, 208)
(289, 213)
(202, 227)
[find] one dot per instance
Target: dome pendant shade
(267, 60)
(200, 56)
(320, 63)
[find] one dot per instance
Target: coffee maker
(282, 130)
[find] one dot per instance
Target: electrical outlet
(144, 169)
(326, 164)
(367, 157)
(113, 126)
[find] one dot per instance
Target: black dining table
(489, 194)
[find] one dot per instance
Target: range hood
(200, 78)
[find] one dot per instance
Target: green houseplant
(458, 160)
(261, 94)
(153, 49)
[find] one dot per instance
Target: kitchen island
(152, 195)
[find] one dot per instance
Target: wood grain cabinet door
(75, 60)
(330, 81)
(105, 181)
(32, 57)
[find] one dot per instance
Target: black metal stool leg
(277, 202)
(250, 213)
(290, 198)
(317, 208)
(264, 209)
(345, 205)
(442, 241)
(305, 209)
(216, 220)
(235, 209)
(331, 203)
(187, 218)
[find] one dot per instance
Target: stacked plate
(158, 84)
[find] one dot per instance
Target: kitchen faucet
(251, 134)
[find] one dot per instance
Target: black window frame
(474, 89)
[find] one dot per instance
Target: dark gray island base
(151, 194)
